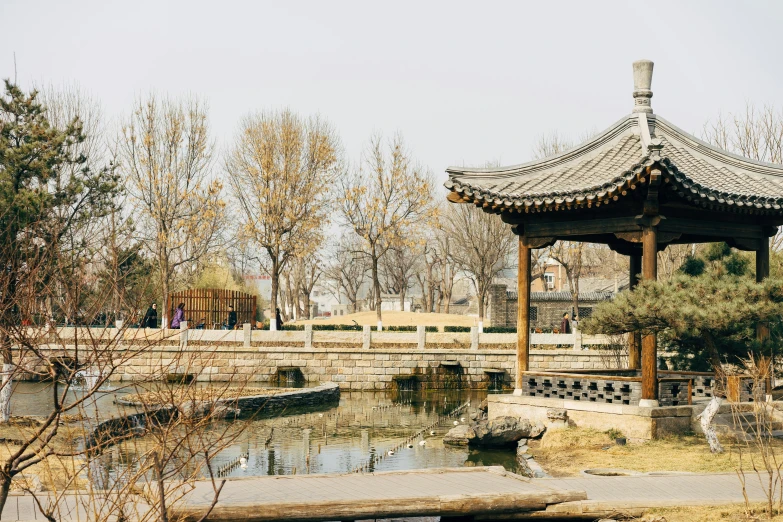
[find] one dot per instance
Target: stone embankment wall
(350, 359)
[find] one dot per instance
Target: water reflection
(359, 432)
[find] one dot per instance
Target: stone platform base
(634, 422)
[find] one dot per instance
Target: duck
(243, 463)
(422, 443)
(432, 432)
(391, 452)
(462, 419)
(456, 423)
(410, 445)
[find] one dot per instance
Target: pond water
(358, 433)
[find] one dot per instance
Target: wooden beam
(523, 313)
(717, 229)
(649, 342)
(582, 227)
(634, 338)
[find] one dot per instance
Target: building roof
(562, 296)
(611, 165)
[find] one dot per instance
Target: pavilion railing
(624, 386)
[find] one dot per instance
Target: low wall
(135, 424)
(634, 422)
(354, 360)
(351, 368)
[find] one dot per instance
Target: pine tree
(45, 190)
(706, 314)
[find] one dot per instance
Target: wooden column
(649, 342)
(523, 313)
(634, 338)
(762, 272)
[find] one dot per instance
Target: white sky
(464, 82)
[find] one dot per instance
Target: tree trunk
(164, 285)
(273, 299)
(706, 424)
(306, 296)
(480, 297)
(7, 379)
(376, 283)
(164, 516)
(5, 488)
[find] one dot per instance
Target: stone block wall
(352, 368)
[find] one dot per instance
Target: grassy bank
(568, 452)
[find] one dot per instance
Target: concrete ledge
(634, 422)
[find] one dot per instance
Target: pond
(358, 433)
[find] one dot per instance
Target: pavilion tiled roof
(613, 163)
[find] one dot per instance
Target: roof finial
(642, 80)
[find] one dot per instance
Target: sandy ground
(398, 319)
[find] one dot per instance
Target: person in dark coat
(179, 316)
(151, 317)
(232, 319)
(278, 319)
(565, 324)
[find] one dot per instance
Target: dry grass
(571, 451)
(710, 514)
(179, 395)
(54, 473)
(398, 319)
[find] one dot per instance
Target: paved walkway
(456, 492)
(632, 495)
(355, 496)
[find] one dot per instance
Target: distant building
(546, 308)
(391, 303)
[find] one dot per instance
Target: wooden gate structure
(209, 307)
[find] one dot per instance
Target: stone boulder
(460, 435)
(498, 432)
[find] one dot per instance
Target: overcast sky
(464, 82)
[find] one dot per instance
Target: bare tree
(348, 270)
(382, 200)
(398, 268)
(481, 246)
(755, 133)
(570, 255)
(167, 158)
(281, 167)
(307, 272)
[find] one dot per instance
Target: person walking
(232, 319)
(151, 317)
(179, 316)
(565, 324)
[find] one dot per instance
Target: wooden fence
(209, 307)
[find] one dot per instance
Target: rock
(521, 450)
(483, 405)
(498, 432)
(524, 468)
(557, 414)
(460, 435)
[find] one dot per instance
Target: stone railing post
(577, 339)
(366, 337)
(474, 337)
(183, 336)
(308, 336)
(118, 324)
(421, 337)
(247, 334)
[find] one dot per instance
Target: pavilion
(639, 186)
